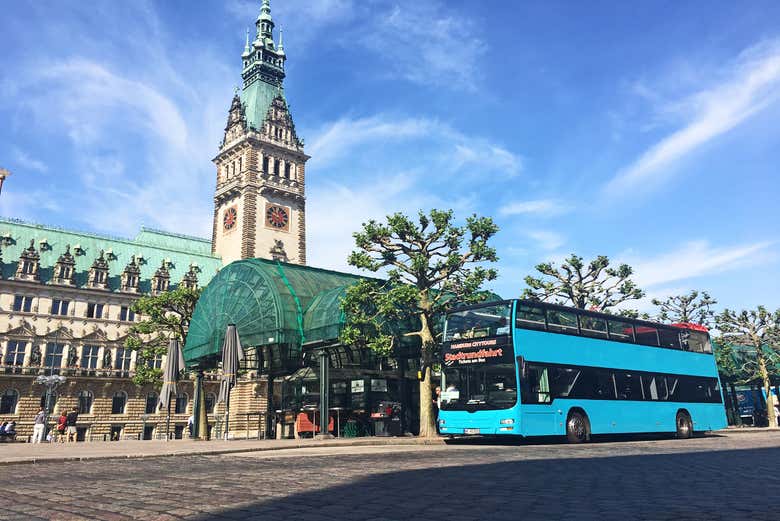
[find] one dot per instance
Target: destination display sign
(493, 350)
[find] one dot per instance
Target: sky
(644, 131)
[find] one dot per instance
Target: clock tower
(259, 202)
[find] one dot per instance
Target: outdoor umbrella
(232, 353)
(174, 362)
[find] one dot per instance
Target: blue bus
(526, 368)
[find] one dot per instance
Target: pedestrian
(39, 425)
(437, 406)
(70, 422)
(191, 425)
(62, 426)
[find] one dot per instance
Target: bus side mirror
(523, 370)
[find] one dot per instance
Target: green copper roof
(256, 100)
(271, 303)
(152, 245)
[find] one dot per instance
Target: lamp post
(3, 174)
(51, 381)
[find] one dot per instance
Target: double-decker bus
(535, 369)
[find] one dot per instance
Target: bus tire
(684, 425)
(577, 427)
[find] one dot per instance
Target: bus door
(538, 416)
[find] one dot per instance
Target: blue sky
(645, 131)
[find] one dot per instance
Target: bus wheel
(684, 425)
(577, 427)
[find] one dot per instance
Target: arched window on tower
(276, 167)
(265, 165)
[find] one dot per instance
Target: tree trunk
(770, 407)
(427, 419)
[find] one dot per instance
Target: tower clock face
(230, 218)
(277, 217)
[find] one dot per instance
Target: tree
(431, 264)
(164, 316)
(692, 307)
(594, 285)
(757, 330)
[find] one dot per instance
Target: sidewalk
(52, 452)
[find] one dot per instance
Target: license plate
(470, 431)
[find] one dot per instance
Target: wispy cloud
(455, 150)
(25, 162)
(427, 43)
(751, 84)
(547, 240)
(538, 207)
(695, 259)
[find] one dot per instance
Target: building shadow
(728, 484)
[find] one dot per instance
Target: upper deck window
(530, 317)
(486, 321)
(562, 321)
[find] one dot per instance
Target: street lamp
(51, 382)
(3, 174)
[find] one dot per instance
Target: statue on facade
(107, 359)
(35, 356)
(73, 357)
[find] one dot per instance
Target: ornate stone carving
(65, 269)
(131, 276)
(29, 263)
(98, 273)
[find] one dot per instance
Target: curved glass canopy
(271, 303)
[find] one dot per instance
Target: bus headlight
(507, 421)
(441, 422)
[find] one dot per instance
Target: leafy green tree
(758, 332)
(593, 285)
(431, 264)
(692, 307)
(164, 316)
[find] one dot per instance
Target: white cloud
(25, 162)
(694, 259)
(751, 85)
(445, 149)
(427, 43)
(547, 240)
(540, 207)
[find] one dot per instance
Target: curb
(216, 452)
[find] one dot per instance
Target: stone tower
(259, 202)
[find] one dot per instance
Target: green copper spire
(265, 24)
(247, 48)
(263, 71)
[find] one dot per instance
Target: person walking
(70, 423)
(39, 426)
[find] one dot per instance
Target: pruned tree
(593, 285)
(164, 316)
(758, 332)
(431, 264)
(693, 307)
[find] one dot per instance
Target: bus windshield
(486, 321)
(479, 387)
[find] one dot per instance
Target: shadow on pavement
(509, 441)
(694, 485)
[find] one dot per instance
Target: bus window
(563, 380)
(562, 321)
(669, 338)
(536, 387)
(530, 317)
(695, 341)
(620, 331)
(647, 335)
(593, 327)
(629, 386)
(595, 384)
(652, 387)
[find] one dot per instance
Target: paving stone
(658, 479)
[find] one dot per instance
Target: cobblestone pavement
(716, 477)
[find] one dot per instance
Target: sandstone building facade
(66, 296)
